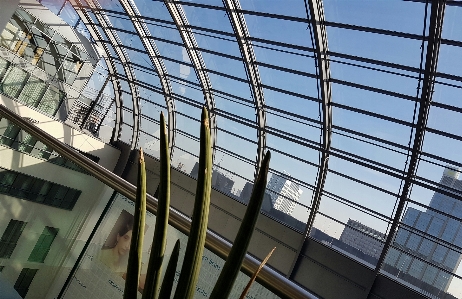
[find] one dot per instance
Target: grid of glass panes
(40, 45)
(374, 102)
(28, 89)
(234, 106)
(23, 186)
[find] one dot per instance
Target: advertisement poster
(102, 272)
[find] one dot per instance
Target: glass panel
(361, 240)
(377, 14)
(69, 15)
(32, 92)
(379, 46)
(150, 144)
(276, 30)
(53, 5)
(51, 101)
(127, 134)
(293, 8)
(372, 126)
(97, 267)
(13, 81)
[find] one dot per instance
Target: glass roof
(359, 103)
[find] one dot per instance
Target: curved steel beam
(151, 48)
(190, 44)
(123, 56)
(237, 20)
(112, 69)
(322, 60)
(431, 62)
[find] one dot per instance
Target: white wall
(74, 226)
(37, 216)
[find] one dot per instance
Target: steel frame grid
(341, 154)
(112, 69)
(308, 49)
(123, 56)
(195, 56)
(241, 33)
(377, 62)
(346, 83)
(317, 23)
(156, 60)
(377, 166)
(431, 62)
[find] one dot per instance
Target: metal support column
(322, 60)
(431, 61)
(157, 62)
(237, 20)
(124, 58)
(112, 70)
(190, 44)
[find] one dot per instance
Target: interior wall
(71, 224)
(384, 287)
(320, 269)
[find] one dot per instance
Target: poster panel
(102, 271)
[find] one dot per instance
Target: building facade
(418, 255)
(284, 193)
(365, 239)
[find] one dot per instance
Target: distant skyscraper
(365, 239)
(219, 180)
(195, 170)
(426, 270)
(284, 193)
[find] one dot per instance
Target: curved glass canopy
(359, 103)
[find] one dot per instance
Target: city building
(365, 239)
(417, 254)
(220, 181)
(358, 100)
(284, 193)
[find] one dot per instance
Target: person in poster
(115, 250)
(114, 253)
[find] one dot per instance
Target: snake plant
(136, 245)
(193, 256)
(152, 283)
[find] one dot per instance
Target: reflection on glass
(32, 92)
(428, 252)
(51, 101)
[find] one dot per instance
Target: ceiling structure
(359, 103)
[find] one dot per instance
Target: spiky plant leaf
(136, 245)
(152, 283)
(233, 263)
(195, 246)
(169, 277)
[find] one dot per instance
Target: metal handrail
(268, 278)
